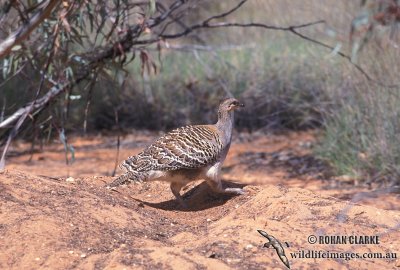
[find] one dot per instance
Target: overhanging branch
(292, 29)
(44, 11)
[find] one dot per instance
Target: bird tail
(125, 178)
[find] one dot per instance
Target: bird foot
(238, 191)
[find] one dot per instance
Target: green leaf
(72, 151)
(67, 147)
(152, 6)
(6, 64)
(16, 48)
(63, 139)
(90, 15)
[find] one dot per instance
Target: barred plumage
(185, 154)
(189, 147)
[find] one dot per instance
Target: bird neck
(225, 123)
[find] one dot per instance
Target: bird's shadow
(199, 198)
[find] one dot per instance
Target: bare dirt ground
(54, 216)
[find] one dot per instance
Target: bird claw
(110, 187)
(114, 189)
(238, 191)
(138, 181)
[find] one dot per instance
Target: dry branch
(44, 11)
(124, 45)
(292, 29)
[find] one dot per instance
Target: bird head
(230, 104)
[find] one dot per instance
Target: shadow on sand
(199, 198)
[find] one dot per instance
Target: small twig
(118, 142)
(175, 19)
(222, 15)
(34, 134)
(115, 22)
(89, 100)
(3, 109)
(21, 14)
(196, 47)
(165, 15)
(233, 24)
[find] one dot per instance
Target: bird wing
(189, 147)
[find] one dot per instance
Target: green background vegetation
(286, 82)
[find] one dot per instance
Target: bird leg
(176, 188)
(217, 187)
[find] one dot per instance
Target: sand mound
(59, 223)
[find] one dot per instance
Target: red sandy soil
(54, 216)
